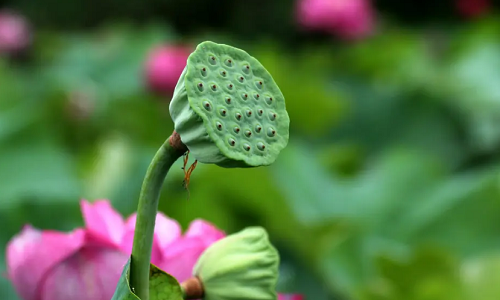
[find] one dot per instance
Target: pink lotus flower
(473, 8)
(164, 67)
(348, 19)
(86, 263)
(15, 34)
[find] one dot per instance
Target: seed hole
(223, 112)
(228, 100)
(241, 79)
(200, 86)
(230, 86)
(261, 146)
(204, 72)
(219, 126)
(236, 129)
(223, 73)
(207, 105)
(258, 128)
(246, 69)
(269, 100)
(214, 87)
(231, 142)
(271, 132)
(246, 147)
(244, 96)
(229, 62)
(258, 84)
(260, 111)
(212, 60)
(272, 116)
(249, 113)
(248, 133)
(238, 116)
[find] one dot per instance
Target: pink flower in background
(86, 263)
(163, 67)
(348, 19)
(290, 297)
(473, 8)
(55, 265)
(15, 34)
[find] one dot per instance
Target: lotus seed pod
(228, 110)
(242, 266)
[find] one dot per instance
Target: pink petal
(103, 221)
(164, 66)
(290, 297)
(90, 274)
(166, 231)
(204, 230)
(32, 253)
(180, 257)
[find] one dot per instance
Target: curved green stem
(146, 215)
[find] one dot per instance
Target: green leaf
(162, 286)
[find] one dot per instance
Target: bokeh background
(389, 188)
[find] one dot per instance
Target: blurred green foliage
(389, 188)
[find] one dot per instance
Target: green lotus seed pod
(242, 266)
(228, 110)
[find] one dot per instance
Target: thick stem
(147, 209)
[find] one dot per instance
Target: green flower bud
(228, 110)
(242, 266)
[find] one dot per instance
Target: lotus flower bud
(241, 266)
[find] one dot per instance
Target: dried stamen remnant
(187, 174)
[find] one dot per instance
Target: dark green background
(389, 188)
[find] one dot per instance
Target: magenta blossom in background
(473, 8)
(348, 19)
(86, 263)
(163, 67)
(15, 34)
